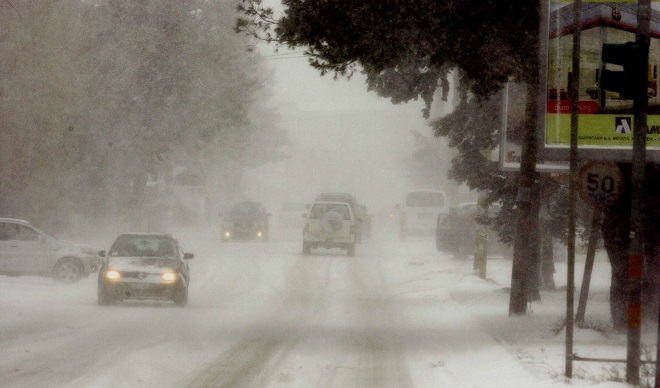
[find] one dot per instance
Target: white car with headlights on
(144, 266)
(330, 225)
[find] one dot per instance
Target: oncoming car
(144, 266)
(26, 250)
(246, 220)
(330, 225)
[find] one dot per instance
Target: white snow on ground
(261, 314)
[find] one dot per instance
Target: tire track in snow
(376, 358)
(253, 359)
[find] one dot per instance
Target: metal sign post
(575, 109)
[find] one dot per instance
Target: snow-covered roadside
(538, 339)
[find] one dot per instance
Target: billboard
(605, 119)
(514, 102)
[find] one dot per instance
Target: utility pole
(635, 254)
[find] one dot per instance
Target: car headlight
(227, 234)
(168, 276)
(112, 275)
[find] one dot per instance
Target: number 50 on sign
(600, 183)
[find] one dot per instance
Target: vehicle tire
(307, 249)
(181, 296)
(438, 244)
(593, 95)
(351, 250)
(104, 299)
(68, 270)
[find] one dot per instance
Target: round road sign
(600, 183)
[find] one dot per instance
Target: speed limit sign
(600, 183)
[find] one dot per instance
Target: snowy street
(261, 314)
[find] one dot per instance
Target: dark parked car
(144, 266)
(245, 221)
(456, 232)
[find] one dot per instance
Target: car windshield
(143, 246)
(245, 209)
(425, 199)
(335, 197)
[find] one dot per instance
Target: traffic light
(627, 55)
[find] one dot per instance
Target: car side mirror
(102, 253)
(188, 256)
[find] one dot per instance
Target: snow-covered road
(261, 314)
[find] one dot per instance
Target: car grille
(134, 275)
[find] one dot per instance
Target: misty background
(143, 115)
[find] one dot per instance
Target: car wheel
(181, 296)
(104, 298)
(307, 249)
(68, 270)
(351, 250)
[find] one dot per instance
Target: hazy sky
(343, 137)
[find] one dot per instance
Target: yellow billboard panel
(605, 121)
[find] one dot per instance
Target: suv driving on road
(352, 202)
(330, 225)
(26, 250)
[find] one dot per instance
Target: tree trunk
(524, 243)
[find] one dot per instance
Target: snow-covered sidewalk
(538, 339)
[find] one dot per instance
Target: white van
(420, 211)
